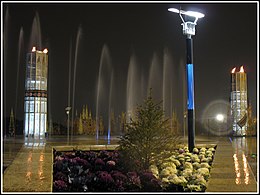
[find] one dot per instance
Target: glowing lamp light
(233, 70)
(241, 69)
(188, 26)
(187, 13)
(33, 49)
(220, 117)
(45, 50)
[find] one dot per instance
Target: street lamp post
(68, 122)
(189, 30)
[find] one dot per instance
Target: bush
(146, 137)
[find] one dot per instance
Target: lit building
(238, 102)
(35, 100)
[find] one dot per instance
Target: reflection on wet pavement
(246, 171)
(238, 168)
(244, 148)
(31, 169)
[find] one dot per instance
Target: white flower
(181, 160)
(172, 176)
(168, 164)
(196, 175)
(187, 159)
(195, 150)
(203, 149)
(204, 160)
(180, 156)
(196, 165)
(165, 173)
(165, 180)
(211, 149)
(178, 180)
(204, 165)
(188, 154)
(188, 165)
(201, 156)
(195, 158)
(201, 181)
(187, 173)
(186, 149)
(154, 170)
(193, 187)
(176, 162)
(209, 153)
(172, 170)
(203, 171)
(210, 159)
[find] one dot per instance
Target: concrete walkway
(31, 169)
(230, 170)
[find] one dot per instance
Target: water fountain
(109, 107)
(155, 78)
(133, 89)
(36, 35)
(167, 82)
(79, 34)
(19, 61)
(6, 29)
(104, 79)
(68, 108)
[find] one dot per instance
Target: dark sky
(114, 36)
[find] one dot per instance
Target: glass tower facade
(35, 100)
(238, 102)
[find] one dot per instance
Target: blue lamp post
(189, 30)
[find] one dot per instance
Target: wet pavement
(231, 171)
(29, 162)
(10, 150)
(247, 147)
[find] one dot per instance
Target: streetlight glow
(220, 117)
(188, 13)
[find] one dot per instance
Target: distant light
(45, 50)
(220, 117)
(33, 49)
(67, 109)
(233, 70)
(188, 13)
(241, 69)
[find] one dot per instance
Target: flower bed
(103, 171)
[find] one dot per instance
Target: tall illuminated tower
(35, 100)
(238, 102)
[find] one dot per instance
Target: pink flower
(111, 163)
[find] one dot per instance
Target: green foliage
(147, 136)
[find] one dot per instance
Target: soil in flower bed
(103, 171)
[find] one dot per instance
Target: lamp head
(188, 26)
(187, 13)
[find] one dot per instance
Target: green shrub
(147, 136)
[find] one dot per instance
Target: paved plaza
(27, 165)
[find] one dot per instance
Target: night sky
(119, 34)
